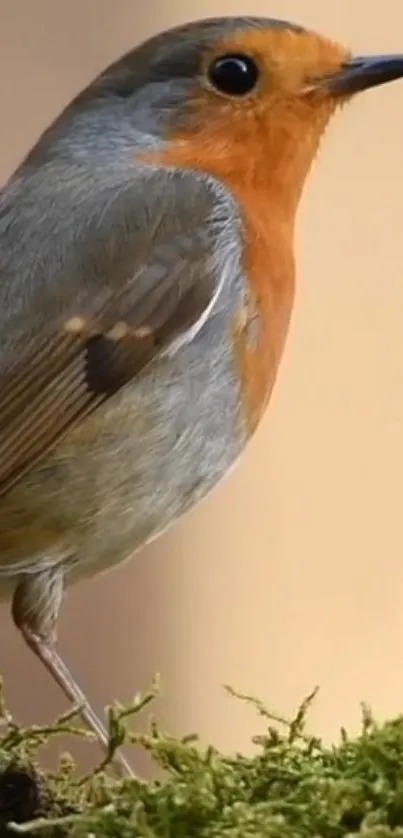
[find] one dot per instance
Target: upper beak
(363, 72)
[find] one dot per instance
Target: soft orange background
(291, 573)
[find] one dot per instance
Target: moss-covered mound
(292, 786)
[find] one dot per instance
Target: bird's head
(245, 99)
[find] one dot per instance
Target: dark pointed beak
(364, 72)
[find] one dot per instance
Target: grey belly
(126, 473)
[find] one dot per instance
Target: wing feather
(78, 324)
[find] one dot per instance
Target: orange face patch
(289, 60)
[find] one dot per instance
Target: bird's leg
(35, 609)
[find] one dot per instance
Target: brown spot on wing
(76, 325)
(65, 380)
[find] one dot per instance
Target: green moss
(293, 785)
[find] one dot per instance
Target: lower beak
(364, 72)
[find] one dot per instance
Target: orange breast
(268, 265)
(269, 268)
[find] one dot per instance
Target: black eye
(234, 75)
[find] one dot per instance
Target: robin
(147, 282)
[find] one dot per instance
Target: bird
(147, 275)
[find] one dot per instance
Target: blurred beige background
(291, 574)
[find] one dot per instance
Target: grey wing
(88, 300)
